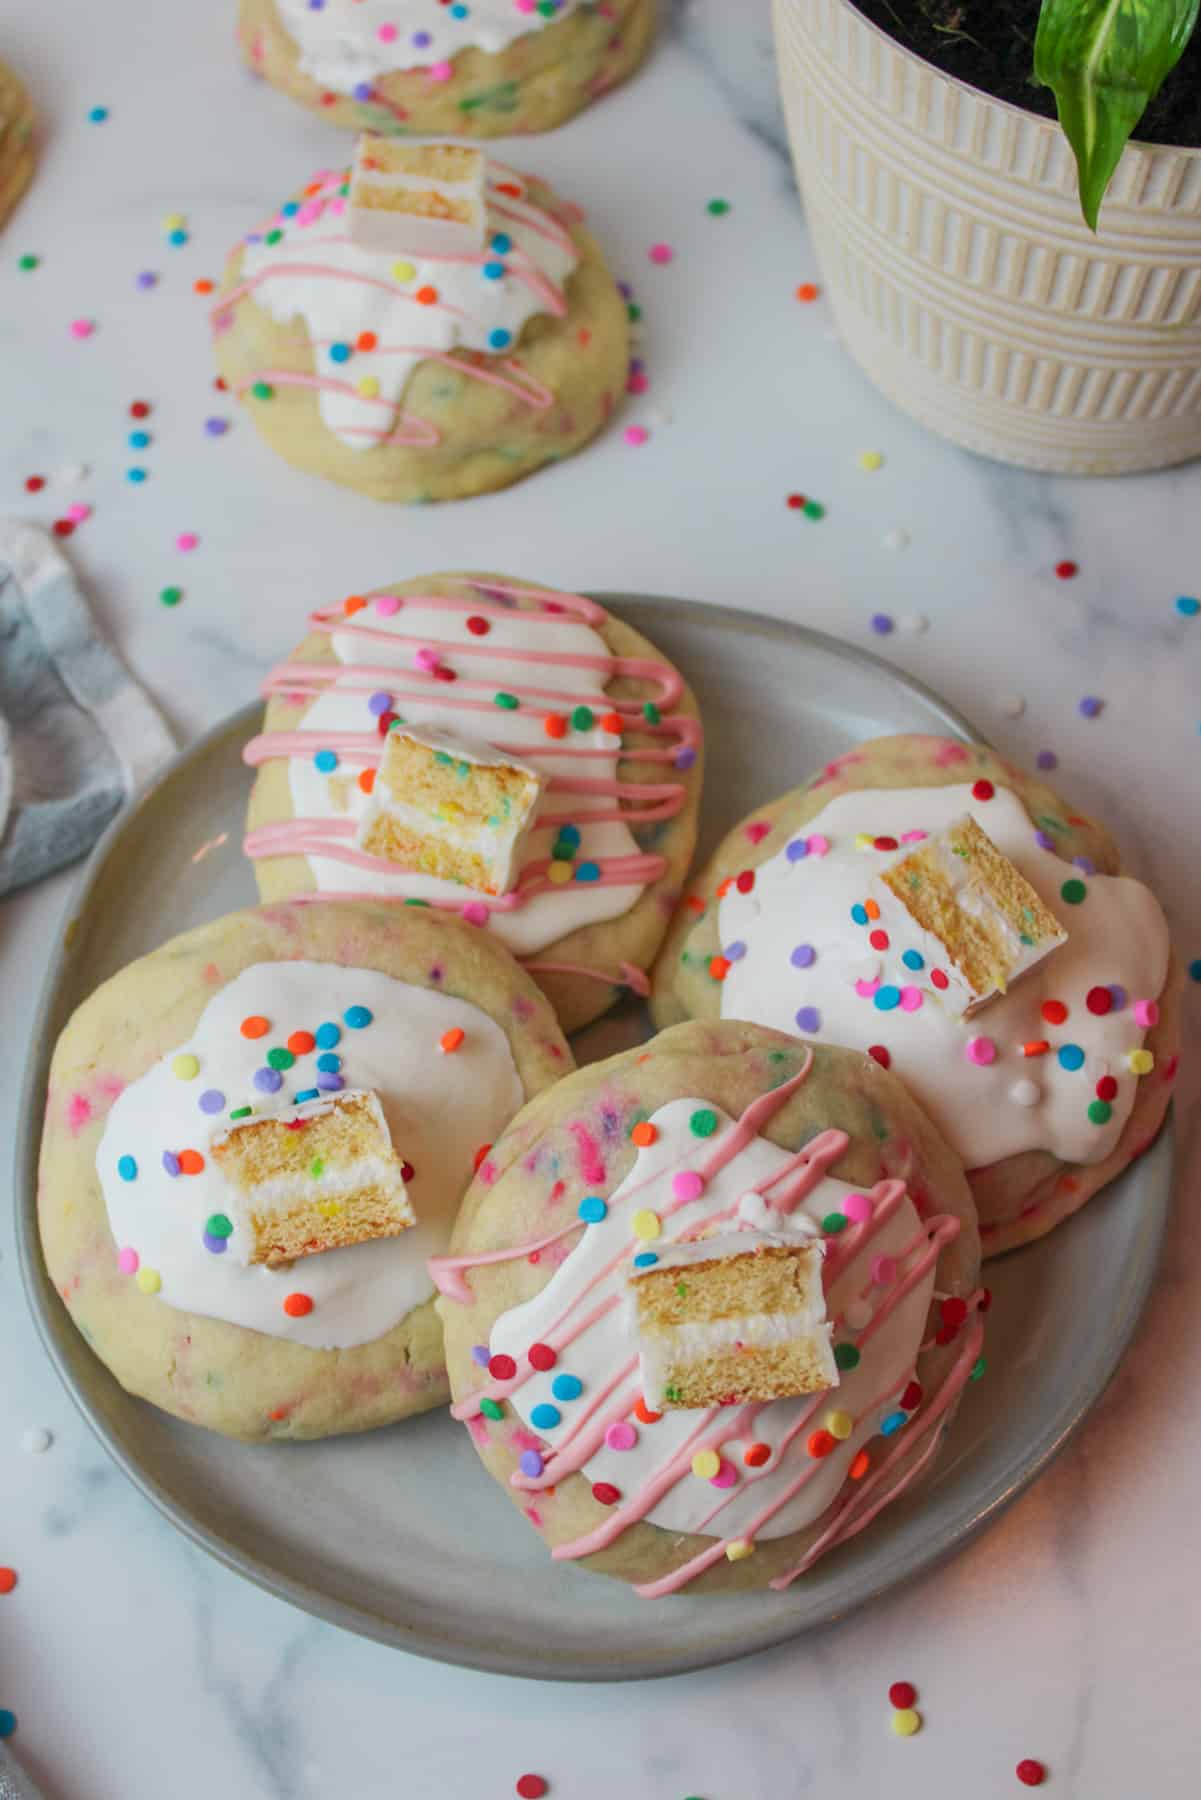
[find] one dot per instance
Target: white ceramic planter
(961, 274)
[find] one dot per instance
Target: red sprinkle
(1054, 1012)
(1030, 1773)
(796, 501)
(878, 940)
(745, 881)
(63, 527)
(502, 1368)
(385, 722)
(606, 1493)
(911, 1399)
(479, 1156)
(885, 843)
(939, 978)
(1066, 569)
(34, 484)
(140, 409)
(1107, 1088)
(983, 790)
(755, 1455)
(8, 1580)
(297, 1305)
(478, 627)
(407, 1171)
(985, 1300)
(531, 1787)
(879, 1054)
(1099, 1000)
(541, 1356)
(953, 1311)
(902, 1694)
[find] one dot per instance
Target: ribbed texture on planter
(961, 274)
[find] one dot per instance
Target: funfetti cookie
(488, 68)
(16, 140)
(929, 905)
(254, 1139)
(422, 330)
(511, 753)
(710, 1307)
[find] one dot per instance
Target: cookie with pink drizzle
(710, 1128)
(423, 377)
(1048, 1090)
(492, 67)
(548, 677)
(261, 1016)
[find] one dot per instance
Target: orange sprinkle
(301, 1042)
(1067, 1184)
(871, 909)
(353, 603)
(8, 1580)
(1054, 1012)
(694, 903)
(860, 1466)
(755, 1455)
(643, 1412)
(366, 780)
(555, 725)
(513, 189)
(255, 1026)
(277, 1413)
(191, 1162)
(719, 967)
(612, 723)
(723, 887)
(1036, 1047)
(314, 187)
(807, 291)
(450, 1040)
(366, 340)
(583, 337)
(644, 1133)
(821, 1443)
(426, 296)
(297, 1305)
(202, 286)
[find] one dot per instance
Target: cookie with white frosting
(16, 140)
(536, 677)
(481, 69)
(431, 375)
(282, 1292)
(1047, 1089)
(707, 1130)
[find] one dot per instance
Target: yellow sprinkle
(906, 1721)
(705, 1464)
(739, 1548)
(174, 222)
(870, 461)
(1140, 1062)
(329, 1209)
(403, 271)
(864, 840)
(646, 1225)
(558, 873)
(186, 1066)
(149, 1280)
(368, 387)
(839, 1424)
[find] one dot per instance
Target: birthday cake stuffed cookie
(257, 1136)
(710, 1306)
(477, 69)
(510, 752)
(425, 326)
(16, 140)
(928, 905)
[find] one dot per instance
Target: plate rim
(62, 1342)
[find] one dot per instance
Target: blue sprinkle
(458, 11)
(500, 339)
(127, 1169)
(545, 1417)
(339, 353)
(892, 1423)
(886, 998)
(306, 1094)
(1071, 1056)
(268, 1081)
(98, 115)
(566, 1387)
(530, 1463)
(138, 440)
(290, 208)
(362, 90)
(326, 761)
(913, 959)
(327, 1036)
(356, 1017)
(170, 1162)
(809, 1019)
(803, 957)
(645, 1259)
(570, 834)
(859, 914)
(1187, 606)
(212, 1101)
(592, 1209)
(1194, 969)
(328, 1063)
(735, 952)
(135, 475)
(588, 871)
(881, 624)
(502, 243)
(492, 271)
(481, 1356)
(177, 237)
(798, 850)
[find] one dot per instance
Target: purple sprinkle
(1085, 864)
(421, 40)
(531, 1463)
(637, 365)
(147, 279)
(625, 290)
(379, 703)
(329, 1083)
(809, 1019)
(170, 1162)
(215, 1244)
(268, 1081)
(1047, 759)
(212, 1100)
(734, 952)
(798, 850)
(481, 1356)
(216, 427)
(1090, 706)
(685, 758)
(1119, 996)
(1044, 840)
(362, 90)
(882, 624)
(804, 956)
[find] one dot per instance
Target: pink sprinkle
(79, 512)
(476, 913)
(127, 1261)
(440, 71)
(525, 6)
(337, 205)
(386, 34)
(1146, 1012)
(757, 830)
(79, 1112)
(688, 1185)
(884, 1271)
(621, 1436)
(913, 837)
(819, 845)
(308, 214)
(82, 328)
(187, 540)
(865, 989)
(726, 1476)
(387, 605)
(857, 1207)
(635, 434)
(911, 999)
(661, 253)
(427, 659)
(981, 1051)
(637, 384)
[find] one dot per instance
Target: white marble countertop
(137, 1667)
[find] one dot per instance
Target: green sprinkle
(510, 702)
(1100, 1112)
(280, 1058)
(833, 1223)
(171, 596)
(846, 1356)
(27, 262)
(651, 713)
(562, 852)
(633, 313)
(703, 1123)
(262, 390)
(583, 718)
(1073, 892)
(444, 757)
(681, 1288)
(218, 1226)
(718, 208)
(491, 1409)
(671, 1393)
(1050, 824)
(241, 1112)
(813, 509)
(415, 903)
(978, 1368)
(273, 237)
(317, 1167)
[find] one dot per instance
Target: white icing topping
(544, 917)
(312, 271)
(439, 1108)
(987, 1110)
(868, 1392)
(341, 47)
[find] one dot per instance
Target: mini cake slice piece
(974, 910)
(446, 807)
(735, 1317)
(317, 1177)
(418, 199)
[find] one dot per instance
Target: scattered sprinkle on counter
(1067, 569)
(1030, 1772)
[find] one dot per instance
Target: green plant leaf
(1105, 61)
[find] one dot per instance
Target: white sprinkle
(1013, 706)
(896, 539)
(915, 622)
(72, 472)
(1026, 1093)
(37, 1439)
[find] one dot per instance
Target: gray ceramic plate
(399, 1535)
